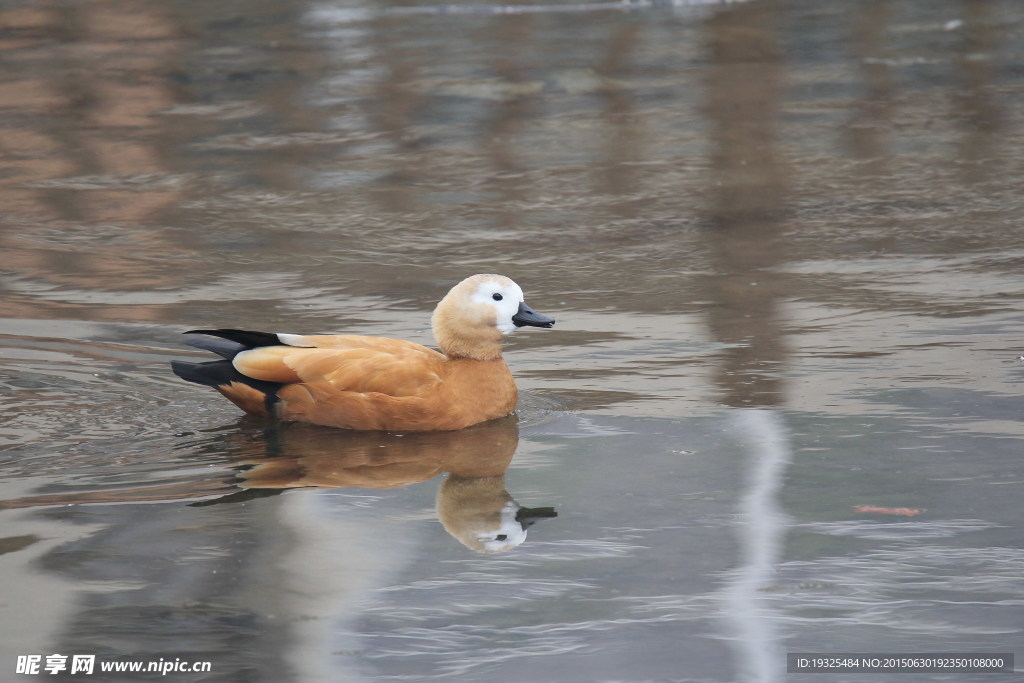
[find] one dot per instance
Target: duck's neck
(459, 340)
(471, 349)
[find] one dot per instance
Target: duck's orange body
(375, 383)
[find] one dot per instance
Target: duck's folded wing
(397, 370)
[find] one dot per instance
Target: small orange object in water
(902, 512)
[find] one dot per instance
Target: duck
(377, 383)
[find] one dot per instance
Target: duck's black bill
(527, 517)
(527, 316)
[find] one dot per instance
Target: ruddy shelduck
(376, 383)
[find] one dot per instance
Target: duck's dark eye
(496, 296)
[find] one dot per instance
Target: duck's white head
(471, 319)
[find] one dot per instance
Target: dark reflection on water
(472, 502)
(781, 413)
(268, 458)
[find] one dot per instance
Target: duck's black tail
(222, 375)
(232, 342)
(213, 373)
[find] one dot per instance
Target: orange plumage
(375, 383)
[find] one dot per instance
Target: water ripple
(896, 531)
(932, 590)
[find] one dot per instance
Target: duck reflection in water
(472, 502)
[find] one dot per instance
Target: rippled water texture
(780, 412)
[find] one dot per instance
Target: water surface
(780, 411)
